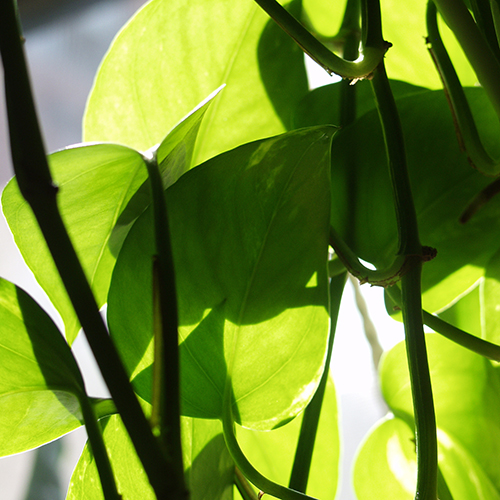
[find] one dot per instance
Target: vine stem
(166, 390)
(423, 406)
(331, 63)
(471, 342)
(305, 447)
(247, 469)
(36, 185)
(477, 50)
(98, 448)
(409, 246)
(465, 126)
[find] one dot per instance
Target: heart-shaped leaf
(386, 463)
(172, 54)
(103, 189)
(249, 231)
(466, 397)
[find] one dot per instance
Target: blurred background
(65, 42)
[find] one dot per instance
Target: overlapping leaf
(40, 383)
(408, 59)
(323, 105)
(386, 463)
(209, 470)
(443, 183)
(272, 453)
(466, 391)
(249, 232)
(172, 54)
(103, 189)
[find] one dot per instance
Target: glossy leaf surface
(249, 232)
(103, 189)
(39, 380)
(208, 466)
(272, 453)
(171, 55)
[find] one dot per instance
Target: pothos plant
(220, 243)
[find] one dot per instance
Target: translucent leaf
(466, 391)
(321, 106)
(404, 26)
(173, 54)
(386, 463)
(272, 453)
(103, 189)
(208, 466)
(249, 233)
(39, 380)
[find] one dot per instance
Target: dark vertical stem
(396, 155)
(309, 427)
(423, 406)
(425, 420)
(99, 450)
(166, 402)
(35, 183)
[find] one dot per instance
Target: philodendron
(216, 207)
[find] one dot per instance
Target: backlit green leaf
(171, 55)
(39, 380)
(466, 390)
(386, 463)
(272, 452)
(208, 466)
(103, 189)
(322, 106)
(404, 26)
(249, 233)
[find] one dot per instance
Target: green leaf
(272, 452)
(209, 468)
(442, 182)
(466, 391)
(409, 59)
(95, 182)
(386, 463)
(325, 17)
(173, 54)
(40, 383)
(490, 300)
(404, 26)
(103, 189)
(321, 106)
(249, 231)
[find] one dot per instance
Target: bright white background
(63, 56)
